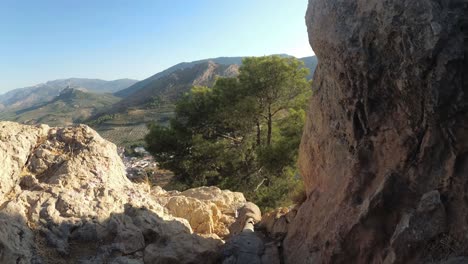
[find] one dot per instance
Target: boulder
(249, 213)
(387, 124)
(228, 202)
(64, 195)
(202, 216)
(209, 210)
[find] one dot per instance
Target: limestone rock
(64, 195)
(202, 216)
(249, 211)
(16, 143)
(276, 223)
(387, 123)
(16, 240)
(228, 202)
(428, 221)
(209, 210)
(245, 247)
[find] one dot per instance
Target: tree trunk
(270, 121)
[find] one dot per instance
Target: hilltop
(310, 62)
(21, 98)
(71, 106)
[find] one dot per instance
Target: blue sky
(53, 39)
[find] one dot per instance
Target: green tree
(216, 136)
(275, 83)
(155, 102)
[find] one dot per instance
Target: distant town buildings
(139, 168)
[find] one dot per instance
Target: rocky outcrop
(276, 223)
(384, 154)
(254, 239)
(64, 196)
(245, 246)
(209, 210)
(249, 213)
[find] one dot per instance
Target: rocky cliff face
(65, 198)
(384, 154)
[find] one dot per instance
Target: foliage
(280, 190)
(102, 119)
(276, 83)
(242, 134)
(156, 102)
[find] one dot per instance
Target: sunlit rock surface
(65, 198)
(386, 133)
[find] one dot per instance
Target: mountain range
(20, 98)
(309, 62)
(132, 105)
(170, 86)
(72, 105)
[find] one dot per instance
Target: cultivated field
(130, 128)
(124, 135)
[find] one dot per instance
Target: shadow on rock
(136, 235)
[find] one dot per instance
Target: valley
(71, 106)
(358, 154)
(119, 110)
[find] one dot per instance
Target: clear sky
(111, 39)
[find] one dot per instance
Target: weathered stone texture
(64, 195)
(387, 124)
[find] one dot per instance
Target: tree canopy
(242, 134)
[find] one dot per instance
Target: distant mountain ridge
(172, 82)
(41, 93)
(72, 105)
(310, 62)
(179, 66)
(170, 86)
(129, 109)
(153, 99)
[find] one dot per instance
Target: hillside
(121, 121)
(169, 87)
(310, 62)
(180, 66)
(152, 100)
(70, 106)
(367, 164)
(29, 96)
